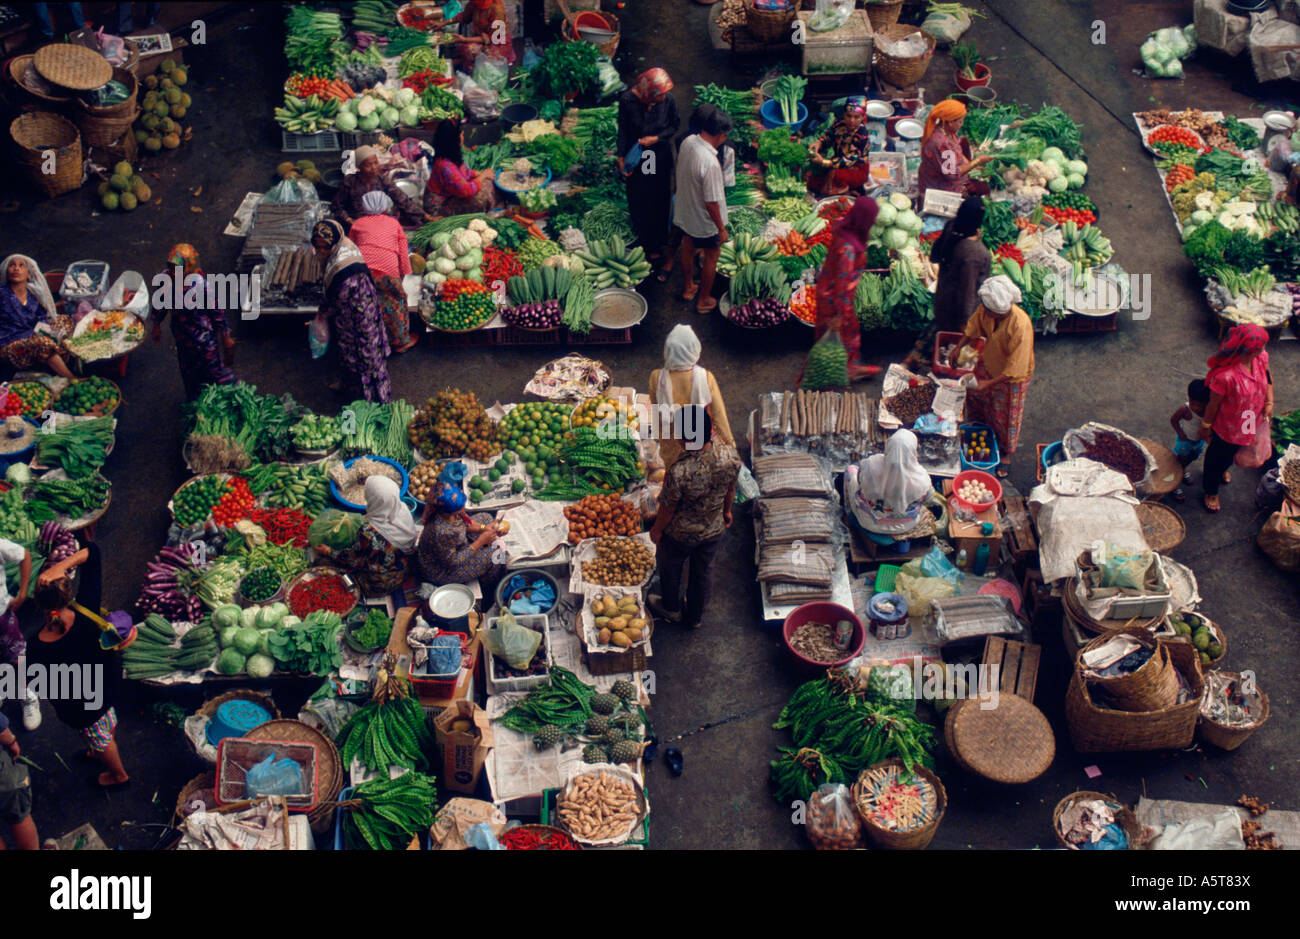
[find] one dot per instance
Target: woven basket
(1163, 528)
(1095, 729)
(330, 771)
(1153, 686)
(206, 780)
(609, 46)
(916, 839)
(122, 108)
(899, 70)
(73, 66)
(1229, 738)
(99, 131)
(769, 25)
(18, 67)
(1216, 631)
(1011, 744)
(1124, 817)
(882, 13)
(209, 708)
(40, 129)
(1070, 603)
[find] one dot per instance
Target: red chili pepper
(321, 593)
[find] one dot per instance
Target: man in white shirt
(700, 207)
(11, 637)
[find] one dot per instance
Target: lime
(502, 465)
(494, 474)
(530, 468)
(517, 485)
(476, 497)
(476, 482)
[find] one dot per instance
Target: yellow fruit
(168, 66)
(179, 76)
(604, 637)
(636, 623)
(618, 623)
(127, 201)
(601, 622)
(141, 191)
(171, 141)
(634, 634)
(621, 640)
(285, 168)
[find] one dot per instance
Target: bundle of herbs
(232, 425)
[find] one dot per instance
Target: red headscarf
(1242, 340)
(856, 224)
(652, 86)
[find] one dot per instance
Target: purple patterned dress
(359, 335)
(198, 335)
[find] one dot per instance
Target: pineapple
(597, 724)
(625, 752)
(623, 690)
(548, 735)
(613, 737)
(594, 753)
(604, 703)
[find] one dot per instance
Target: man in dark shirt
(694, 513)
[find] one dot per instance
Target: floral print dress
(378, 566)
(445, 555)
(360, 336)
(198, 335)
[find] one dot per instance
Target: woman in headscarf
(1005, 364)
(382, 242)
(964, 263)
(454, 188)
(945, 155)
(446, 553)
(647, 122)
(886, 492)
(347, 206)
(842, 155)
(483, 28)
(25, 304)
(683, 381)
(359, 342)
(380, 558)
(1241, 403)
(838, 279)
(205, 346)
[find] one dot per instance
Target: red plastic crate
(945, 371)
(443, 687)
(237, 755)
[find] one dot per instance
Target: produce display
(105, 335)
(974, 492)
(163, 592)
(374, 630)
(385, 814)
(620, 620)
(1197, 630)
(69, 499)
(26, 398)
(537, 298)
(283, 526)
(602, 460)
(92, 395)
(289, 486)
(595, 516)
(158, 650)
(457, 254)
(619, 562)
(465, 305)
(743, 250)
(309, 647)
(598, 806)
(378, 429)
(260, 585)
(816, 641)
(760, 295)
(194, 502)
(534, 431)
(324, 592)
(612, 264)
(163, 104)
(422, 477)
(316, 432)
(451, 424)
(232, 425)
(579, 304)
(79, 448)
(389, 730)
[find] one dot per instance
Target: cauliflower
(366, 106)
(470, 239)
(489, 235)
(573, 239)
(1204, 200)
(477, 225)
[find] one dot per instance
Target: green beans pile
(565, 702)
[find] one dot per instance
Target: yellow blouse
(1008, 344)
(670, 450)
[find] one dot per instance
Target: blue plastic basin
(770, 113)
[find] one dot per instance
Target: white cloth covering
(388, 515)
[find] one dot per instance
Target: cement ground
(718, 690)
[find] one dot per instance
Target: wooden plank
(1010, 668)
(1029, 671)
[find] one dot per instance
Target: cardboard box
(457, 817)
(464, 692)
(463, 752)
(148, 64)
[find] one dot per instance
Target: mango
(621, 640)
(604, 637)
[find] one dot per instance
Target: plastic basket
(347, 464)
(98, 272)
(947, 371)
(499, 684)
(885, 576)
(324, 142)
(443, 685)
(237, 755)
(832, 613)
(989, 481)
(986, 466)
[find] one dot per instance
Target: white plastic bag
(480, 103)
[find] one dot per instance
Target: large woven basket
(882, 13)
(1124, 817)
(1154, 685)
(101, 131)
(769, 25)
(1075, 611)
(609, 46)
(37, 131)
(72, 66)
(38, 92)
(202, 781)
(122, 108)
(1010, 744)
(1162, 527)
(1094, 729)
(902, 71)
(1229, 738)
(329, 774)
(915, 839)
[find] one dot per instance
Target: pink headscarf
(856, 224)
(1242, 340)
(652, 86)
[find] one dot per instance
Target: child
(1186, 422)
(15, 792)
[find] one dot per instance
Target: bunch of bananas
(610, 263)
(745, 249)
(309, 115)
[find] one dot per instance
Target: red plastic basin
(990, 482)
(819, 611)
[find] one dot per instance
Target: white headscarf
(376, 202)
(895, 477)
(998, 294)
(388, 515)
(35, 282)
(363, 153)
(681, 352)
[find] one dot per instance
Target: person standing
(31, 330)
(683, 381)
(694, 514)
(126, 17)
(841, 157)
(12, 643)
(946, 161)
(838, 280)
(1005, 365)
(368, 178)
(15, 793)
(648, 119)
(964, 263)
(483, 28)
(205, 346)
(70, 638)
(700, 209)
(45, 25)
(382, 242)
(351, 307)
(1241, 403)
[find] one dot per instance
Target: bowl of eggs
(976, 490)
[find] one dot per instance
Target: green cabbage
(246, 641)
(227, 636)
(368, 122)
(248, 617)
(225, 616)
(908, 220)
(894, 238)
(410, 115)
(231, 662)
(885, 217)
(900, 201)
(260, 665)
(269, 617)
(19, 474)
(345, 121)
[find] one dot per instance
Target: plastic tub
(518, 113)
(98, 273)
(1052, 454)
(533, 575)
(334, 489)
(987, 466)
(235, 719)
(770, 113)
(886, 624)
(976, 476)
(512, 195)
(820, 611)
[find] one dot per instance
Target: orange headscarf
(947, 110)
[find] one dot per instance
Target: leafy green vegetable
(1242, 251)
(557, 153)
(777, 146)
(566, 67)
(1242, 135)
(999, 224)
(907, 303)
(259, 425)
(983, 123)
(1204, 247)
(1282, 255)
(739, 105)
(1286, 430)
(1056, 127)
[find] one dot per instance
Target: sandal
(406, 347)
(1180, 496)
(706, 308)
(691, 292)
(673, 757)
(1004, 470)
(1212, 507)
(663, 274)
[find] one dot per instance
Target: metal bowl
(630, 311)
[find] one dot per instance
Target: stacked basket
(37, 134)
(769, 25)
(103, 127)
(900, 71)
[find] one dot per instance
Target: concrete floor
(717, 690)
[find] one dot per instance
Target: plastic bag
(827, 365)
(919, 591)
(946, 27)
(318, 335)
(335, 529)
(1280, 540)
(746, 486)
(274, 776)
(1258, 452)
(1270, 492)
(1163, 51)
(291, 190)
(891, 684)
(480, 103)
(830, 14)
(832, 821)
(507, 640)
(491, 72)
(1121, 568)
(936, 564)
